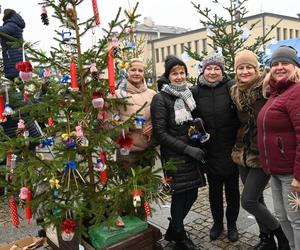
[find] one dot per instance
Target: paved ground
(198, 223)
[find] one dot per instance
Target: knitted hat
(285, 54)
(172, 61)
(8, 14)
(247, 57)
(213, 59)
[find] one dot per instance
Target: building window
(175, 50)
(284, 33)
(182, 47)
(157, 55)
(296, 33)
(291, 33)
(204, 45)
(162, 54)
(189, 45)
(278, 34)
(168, 50)
(197, 46)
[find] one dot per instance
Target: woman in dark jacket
(13, 25)
(171, 120)
(214, 105)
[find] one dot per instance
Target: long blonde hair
(294, 77)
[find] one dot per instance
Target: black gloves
(196, 153)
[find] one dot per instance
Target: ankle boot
(183, 242)
(232, 233)
(267, 242)
(216, 231)
(283, 243)
(171, 232)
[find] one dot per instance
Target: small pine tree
(228, 34)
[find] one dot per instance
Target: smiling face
(136, 73)
(281, 70)
(246, 72)
(177, 75)
(213, 73)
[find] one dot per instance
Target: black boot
(171, 232)
(267, 242)
(232, 233)
(216, 231)
(183, 242)
(283, 243)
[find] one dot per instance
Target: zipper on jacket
(281, 146)
(264, 132)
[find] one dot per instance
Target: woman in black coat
(171, 120)
(13, 25)
(215, 107)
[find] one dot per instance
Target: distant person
(214, 105)
(278, 125)
(171, 118)
(248, 98)
(13, 25)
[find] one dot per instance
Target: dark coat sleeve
(161, 127)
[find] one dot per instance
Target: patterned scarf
(184, 103)
(244, 98)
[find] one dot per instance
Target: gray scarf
(184, 102)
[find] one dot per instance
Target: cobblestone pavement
(198, 223)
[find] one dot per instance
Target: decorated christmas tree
(72, 180)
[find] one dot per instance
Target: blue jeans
(289, 218)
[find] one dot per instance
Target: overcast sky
(179, 13)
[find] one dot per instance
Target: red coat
(278, 125)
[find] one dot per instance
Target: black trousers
(255, 181)
(180, 206)
(232, 195)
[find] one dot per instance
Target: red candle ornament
(147, 208)
(28, 212)
(111, 72)
(74, 83)
(2, 116)
(14, 211)
(50, 122)
(103, 172)
(96, 12)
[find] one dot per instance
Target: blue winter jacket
(11, 54)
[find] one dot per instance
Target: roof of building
(159, 28)
(264, 14)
